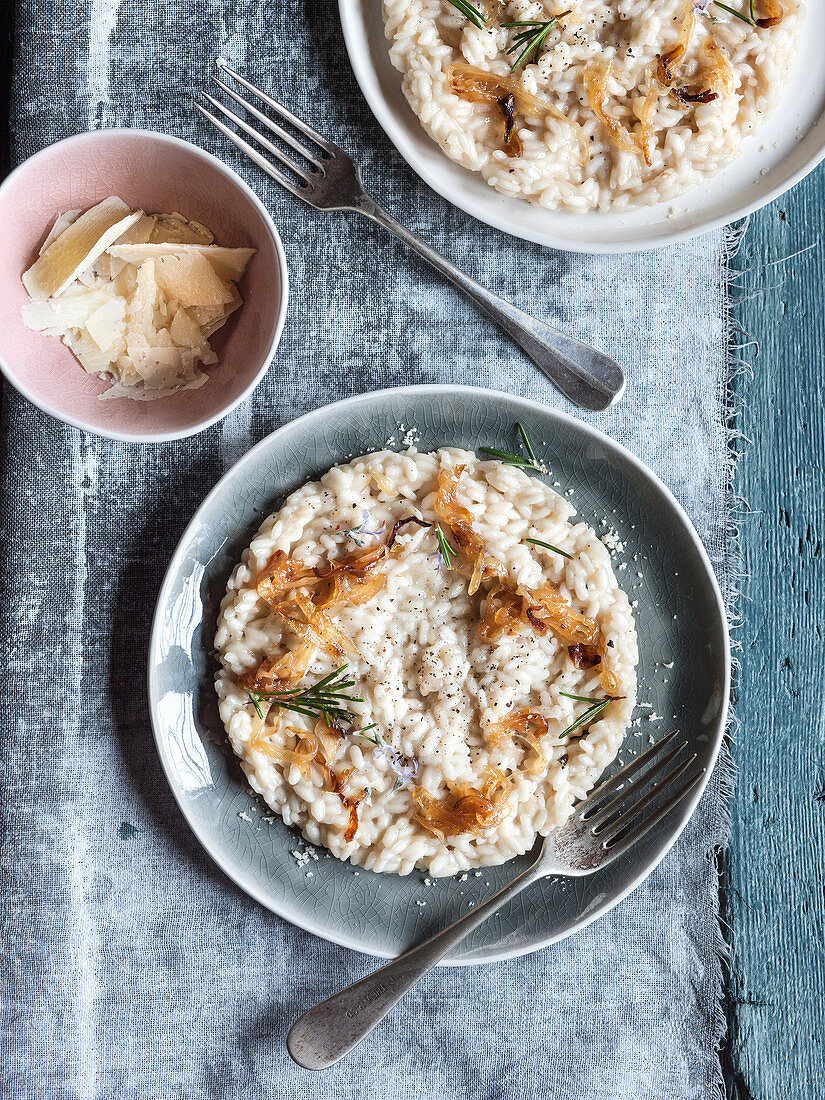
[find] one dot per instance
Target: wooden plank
(775, 902)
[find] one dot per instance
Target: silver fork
(328, 179)
(615, 815)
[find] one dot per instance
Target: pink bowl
(159, 174)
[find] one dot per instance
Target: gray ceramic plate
(679, 616)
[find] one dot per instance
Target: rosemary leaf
(327, 699)
(529, 463)
(445, 550)
(550, 546)
(376, 740)
(587, 717)
(527, 443)
(531, 39)
(580, 698)
(738, 14)
(469, 12)
(509, 459)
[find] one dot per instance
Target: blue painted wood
(775, 900)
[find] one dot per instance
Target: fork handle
(588, 378)
(327, 1032)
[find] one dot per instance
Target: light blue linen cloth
(133, 967)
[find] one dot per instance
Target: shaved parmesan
(227, 263)
(77, 247)
(61, 222)
(57, 315)
(135, 296)
(189, 277)
(107, 327)
(175, 229)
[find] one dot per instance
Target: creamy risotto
(490, 661)
(593, 105)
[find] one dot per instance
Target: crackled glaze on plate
(679, 619)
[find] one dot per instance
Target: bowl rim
(316, 926)
(92, 136)
(358, 51)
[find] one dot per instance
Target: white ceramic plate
(789, 146)
(679, 620)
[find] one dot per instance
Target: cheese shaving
(135, 296)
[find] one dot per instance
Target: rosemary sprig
(529, 463)
(445, 550)
(550, 546)
(587, 717)
(509, 459)
(529, 446)
(738, 14)
(351, 532)
(376, 740)
(469, 12)
(327, 699)
(531, 37)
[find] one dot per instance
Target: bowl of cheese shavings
(144, 285)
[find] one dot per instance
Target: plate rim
(361, 67)
(315, 926)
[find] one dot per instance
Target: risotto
(588, 105)
(424, 662)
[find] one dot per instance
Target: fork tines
(314, 156)
(626, 806)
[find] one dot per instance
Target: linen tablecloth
(132, 966)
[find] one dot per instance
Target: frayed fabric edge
(740, 349)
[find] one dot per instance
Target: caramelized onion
(480, 86)
(301, 755)
(512, 142)
(584, 656)
(466, 809)
(608, 680)
(446, 500)
(329, 741)
(544, 609)
(322, 629)
(684, 96)
(718, 78)
(548, 609)
(506, 611)
(401, 523)
(306, 599)
(504, 614)
(383, 483)
(519, 727)
(275, 673)
(670, 61)
(351, 802)
(472, 558)
(595, 79)
(280, 575)
(646, 114)
(667, 64)
(776, 13)
(591, 656)
(718, 71)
